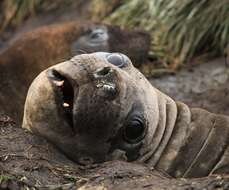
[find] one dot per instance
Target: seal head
(93, 107)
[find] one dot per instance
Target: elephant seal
(98, 107)
(39, 49)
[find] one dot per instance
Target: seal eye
(134, 131)
(117, 60)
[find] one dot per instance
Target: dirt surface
(204, 85)
(28, 162)
(25, 157)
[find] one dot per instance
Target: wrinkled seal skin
(98, 107)
(46, 46)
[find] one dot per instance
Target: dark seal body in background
(98, 107)
(46, 46)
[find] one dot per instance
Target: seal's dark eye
(116, 59)
(134, 131)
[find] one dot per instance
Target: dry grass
(14, 12)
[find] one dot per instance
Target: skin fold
(99, 107)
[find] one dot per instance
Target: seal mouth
(65, 93)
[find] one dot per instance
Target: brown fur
(182, 141)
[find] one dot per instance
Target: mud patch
(204, 86)
(25, 157)
(29, 162)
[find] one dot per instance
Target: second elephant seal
(98, 107)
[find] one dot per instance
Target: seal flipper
(195, 136)
(215, 146)
(223, 165)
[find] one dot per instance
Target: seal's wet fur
(115, 113)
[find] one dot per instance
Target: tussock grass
(179, 29)
(14, 11)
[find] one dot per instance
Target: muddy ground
(29, 162)
(204, 85)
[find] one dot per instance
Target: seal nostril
(102, 72)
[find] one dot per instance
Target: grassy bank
(180, 30)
